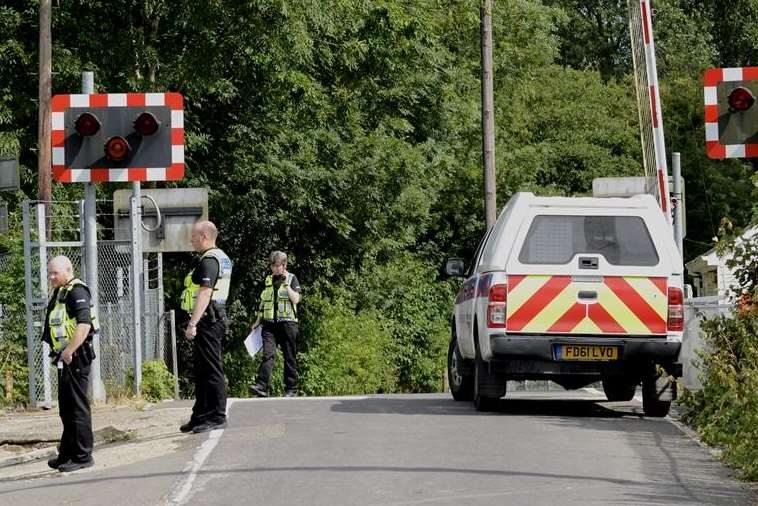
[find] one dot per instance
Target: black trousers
(74, 409)
(210, 389)
(285, 335)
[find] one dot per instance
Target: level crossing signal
(118, 137)
(731, 115)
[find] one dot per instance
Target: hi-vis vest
(223, 282)
(62, 327)
(285, 309)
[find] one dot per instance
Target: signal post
(119, 137)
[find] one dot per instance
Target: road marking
(594, 391)
(182, 492)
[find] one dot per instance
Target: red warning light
(87, 124)
(146, 124)
(741, 99)
(117, 149)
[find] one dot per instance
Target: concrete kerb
(103, 437)
(137, 425)
(31, 456)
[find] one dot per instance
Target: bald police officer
(69, 327)
(206, 290)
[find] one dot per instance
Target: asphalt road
(538, 448)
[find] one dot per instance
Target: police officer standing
(278, 311)
(69, 327)
(204, 298)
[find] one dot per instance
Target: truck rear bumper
(540, 350)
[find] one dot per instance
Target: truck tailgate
(587, 305)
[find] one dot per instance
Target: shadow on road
(636, 492)
(505, 407)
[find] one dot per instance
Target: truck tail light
(676, 310)
(496, 308)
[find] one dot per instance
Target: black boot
(258, 391)
(56, 461)
(75, 466)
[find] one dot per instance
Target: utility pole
(488, 116)
(44, 151)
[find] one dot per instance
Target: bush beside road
(725, 410)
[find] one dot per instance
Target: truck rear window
(556, 240)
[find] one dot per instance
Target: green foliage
(14, 376)
(564, 130)
(594, 35)
(743, 262)
(13, 358)
(157, 382)
(417, 308)
(725, 410)
(349, 354)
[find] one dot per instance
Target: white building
(711, 278)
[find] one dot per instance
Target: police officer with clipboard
(278, 313)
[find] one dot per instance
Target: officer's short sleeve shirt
(206, 273)
(78, 304)
(295, 284)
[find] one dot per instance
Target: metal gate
(56, 228)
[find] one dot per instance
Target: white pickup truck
(574, 290)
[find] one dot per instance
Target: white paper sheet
(254, 341)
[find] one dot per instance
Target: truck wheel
(459, 377)
(651, 405)
(619, 389)
(488, 388)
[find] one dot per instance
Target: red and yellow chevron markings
(620, 305)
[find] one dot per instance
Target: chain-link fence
(55, 228)
(11, 322)
(116, 315)
(12, 331)
(153, 342)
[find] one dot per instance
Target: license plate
(589, 353)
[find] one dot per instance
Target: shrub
(725, 410)
(349, 354)
(406, 292)
(14, 370)
(157, 382)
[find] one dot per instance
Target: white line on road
(182, 491)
